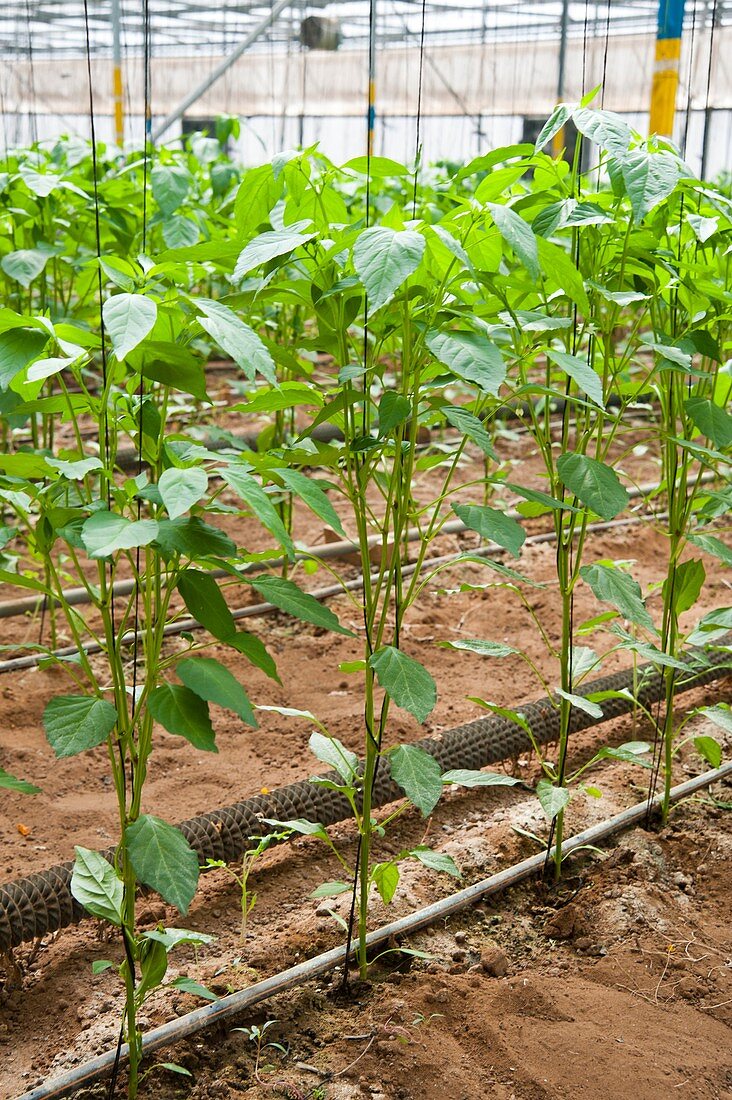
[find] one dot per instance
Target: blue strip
(371, 117)
(670, 18)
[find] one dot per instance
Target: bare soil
(616, 984)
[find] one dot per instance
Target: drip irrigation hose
(40, 903)
(80, 595)
(235, 1004)
(15, 664)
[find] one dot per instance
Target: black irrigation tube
(235, 1004)
(40, 903)
(15, 664)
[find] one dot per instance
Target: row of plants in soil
(380, 301)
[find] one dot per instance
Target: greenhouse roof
(46, 28)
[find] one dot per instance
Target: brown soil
(618, 984)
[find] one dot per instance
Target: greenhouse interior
(366, 549)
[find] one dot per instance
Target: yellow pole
(119, 118)
(666, 69)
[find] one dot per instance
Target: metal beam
(223, 67)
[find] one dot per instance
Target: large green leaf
(406, 681)
(332, 752)
(560, 270)
(683, 589)
(492, 524)
(419, 776)
(288, 597)
(170, 185)
(25, 265)
(252, 493)
(266, 247)
(128, 318)
(213, 682)
(436, 861)
(104, 533)
(192, 538)
(605, 128)
(163, 859)
(481, 647)
(710, 544)
(384, 259)
(594, 483)
(182, 488)
(611, 585)
(713, 422)
(464, 777)
(553, 125)
(519, 235)
(18, 348)
(649, 178)
(236, 339)
(314, 497)
(203, 598)
(581, 372)
(96, 885)
(10, 782)
(183, 712)
(74, 723)
(553, 799)
(385, 877)
(471, 427)
(255, 651)
(470, 356)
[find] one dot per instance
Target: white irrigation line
(237, 1003)
(15, 664)
(80, 595)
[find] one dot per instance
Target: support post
(119, 118)
(558, 139)
(272, 15)
(666, 68)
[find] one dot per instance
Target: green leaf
(581, 372)
(266, 247)
(210, 680)
(77, 470)
(236, 339)
(492, 524)
(436, 861)
(605, 128)
(203, 598)
(104, 533)
(175, 937)
(394, 409)
(630, 753)
(712, 422)
(519, 235)
(194, 539)
(594, 483)
(713, 546)
(288, 597)
(25, 265)
(331, 890)
(180, 232)
(181, 489)
(163, 860)
(100, 965)
(464, 777)
(557, 119)
(187, 985)
(709, 749)
(406, 681)
(470, 356)
(471, 427)
(611, 585)
(74, 723)
(182, 711)
(384, 259)
(649, 178)
(128, 318)
(560, 270)
(252, 493)
(170, 185)
(18, 348)
(684, 587)
(385, 877)
(153, 967)
(483, 648)
(255, 651)
(331, 752)
(581, 703)
(96, 885)
(721, 715)
(553, 799)
(418, 775)
(309, 491)
(9, 782)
